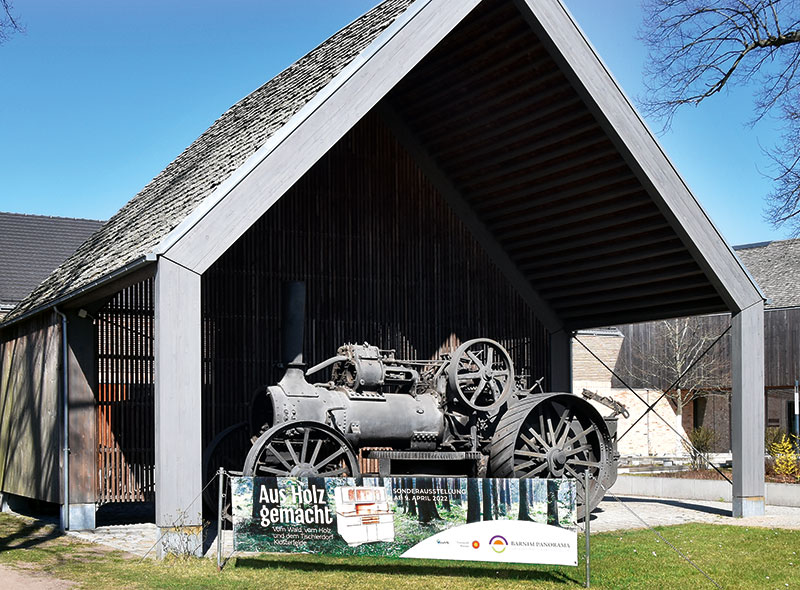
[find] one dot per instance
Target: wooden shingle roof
(171, 196)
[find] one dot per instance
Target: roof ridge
(40, 216)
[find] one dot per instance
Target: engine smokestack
(293, 322)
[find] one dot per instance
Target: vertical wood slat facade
(125, 405)
(30, 415)
(384, 260)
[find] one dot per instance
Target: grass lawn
(735, 557)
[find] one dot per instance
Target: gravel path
(20, 579)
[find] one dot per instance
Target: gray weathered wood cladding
(781, 347)
(29, 408)
(125, 403)
(384, 260)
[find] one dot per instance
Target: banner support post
(219, 517)
(586, 518)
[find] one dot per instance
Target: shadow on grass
(401, 568)
(676, 503)
(28, 536)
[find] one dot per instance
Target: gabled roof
(31, 246)
(776, 268)
(146, 219)
(509, 113)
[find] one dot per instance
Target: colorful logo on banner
(433, 518)
(498, 543)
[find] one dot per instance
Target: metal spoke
(280, 458)
(539, 469)
(489, 357)
(525, 464)
(341, 471)
(271, 470)
(584, 463)
(495, 389)
(550, 432)
(577, 450)
(589, 430)
(291, 451)
(475, 360)
(538, 438)
(470, 375)
(477, 391)
(572, 471)
(530, 454)
(304, 448)
(316, 452)
(331, 457)
(562, 422)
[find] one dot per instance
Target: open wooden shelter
(435, 171)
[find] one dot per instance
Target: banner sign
(502, 520)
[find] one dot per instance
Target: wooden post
(747, 410)
(178, 444)
(82, 360)
(560, 361)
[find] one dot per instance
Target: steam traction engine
(465, 414)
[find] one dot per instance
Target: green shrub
(703, 440)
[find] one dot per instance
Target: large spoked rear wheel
(225, 451)
(301, 449)
(554, 435)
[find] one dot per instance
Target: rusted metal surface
(125, 405)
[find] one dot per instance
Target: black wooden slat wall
(384, 260)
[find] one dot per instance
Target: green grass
(737, 557)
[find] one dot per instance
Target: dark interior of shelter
(383, 259)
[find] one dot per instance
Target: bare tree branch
(697, 48)
(9, 24)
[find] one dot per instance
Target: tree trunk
(426, 507)
(487, 499)
(679, 449)
(552, 502)
(524, 510)
(473, 500)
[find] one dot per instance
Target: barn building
(436, 170)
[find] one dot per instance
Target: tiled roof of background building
(776, 268)
(31, 246)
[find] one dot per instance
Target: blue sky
(97, 97)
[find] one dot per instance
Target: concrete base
(748, 506)
(186, 540)
(81, 517)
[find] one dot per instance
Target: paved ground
(612, 514)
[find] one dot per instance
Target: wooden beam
(560, 362)
(747, 410)
(453, 197)
(178, 403)
(242, 199)
(82, 359)
(539, 119)
(559, 33)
